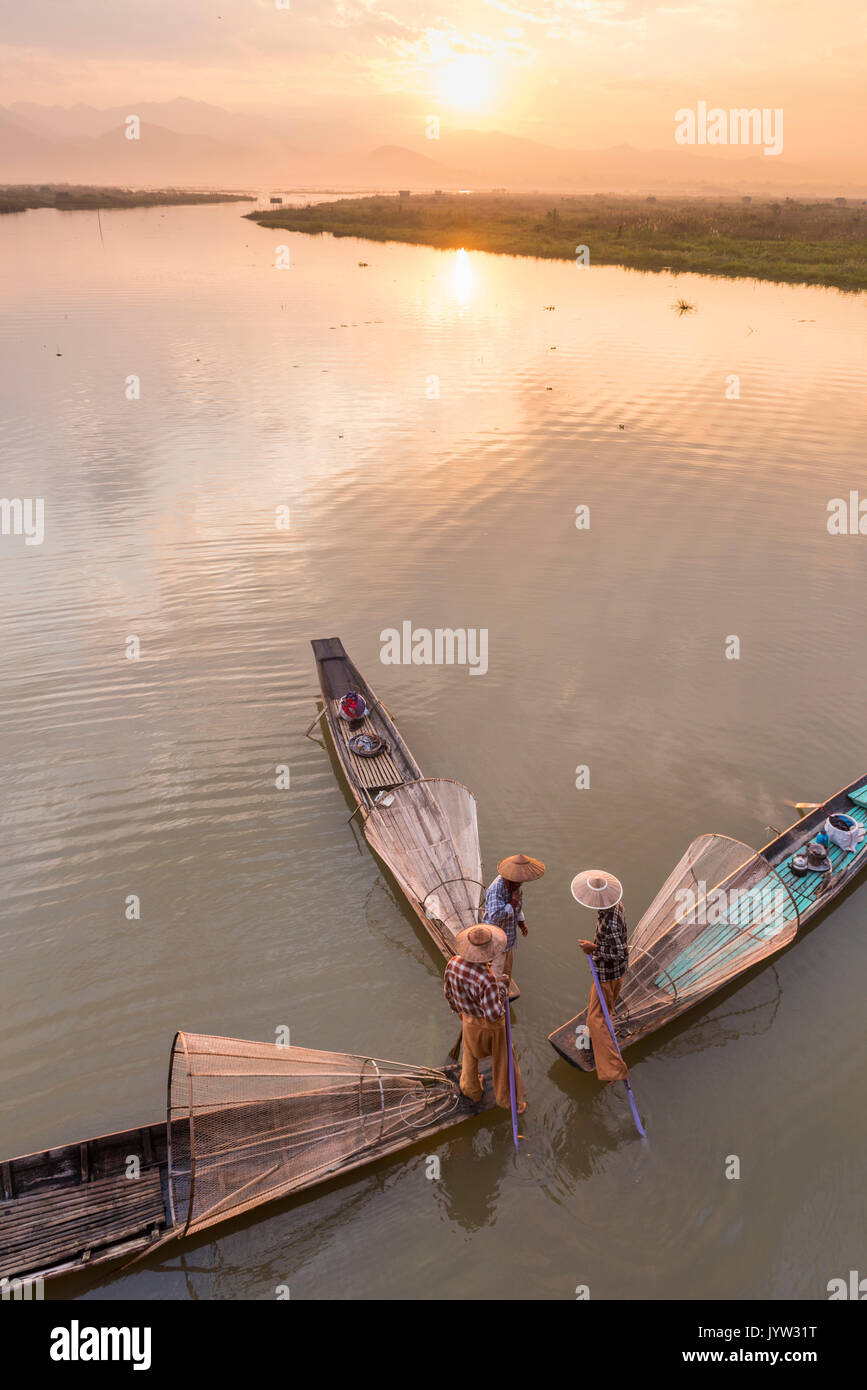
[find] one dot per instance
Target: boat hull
(368, 778)
(74, 1208)
(97, 1202)
(812, 895)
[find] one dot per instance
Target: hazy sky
(577, 73)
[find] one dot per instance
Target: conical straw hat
(520, 868)
(481, 943)
(596, 888)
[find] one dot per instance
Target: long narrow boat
(722, 910)
(424, 829)
(246, 1123)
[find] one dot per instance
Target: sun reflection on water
(463, 278)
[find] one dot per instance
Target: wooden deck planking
(370, 772)
(47, 1227)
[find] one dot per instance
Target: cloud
(586, 66)
(200, 30)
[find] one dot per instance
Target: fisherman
(610, 952)
(504, 906)
(479, 997)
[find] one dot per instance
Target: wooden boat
(424, 829)
(246, 1123)
(722, 910)
(74, 1207)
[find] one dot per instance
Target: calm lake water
(433, 427)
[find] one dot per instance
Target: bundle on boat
(723, 909)
(247, 1123)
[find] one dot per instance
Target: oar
(308, 731)
(512, 1097)
(635, 1114)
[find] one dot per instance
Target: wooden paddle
(310, 727)
(802, 807)
(512, 1096)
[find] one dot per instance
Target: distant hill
(194, 118)
(32, 152)
(392, 164)
(22, 149)
(516, 163)
(195, 144)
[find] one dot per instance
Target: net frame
(249, 1122)
(427, 866)
(674, 963)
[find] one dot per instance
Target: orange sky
(575, 73)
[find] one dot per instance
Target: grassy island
(810, 242)
(18, 197)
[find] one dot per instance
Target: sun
(465, 83)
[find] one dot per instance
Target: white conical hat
(596, 888)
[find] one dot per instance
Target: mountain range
(195, 144)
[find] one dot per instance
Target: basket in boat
(367, 745)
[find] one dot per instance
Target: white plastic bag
(846, 839)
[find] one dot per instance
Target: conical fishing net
(429, 837)
(249, 1121)
(722, 909)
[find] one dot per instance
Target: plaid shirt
(472, 989)
(611, 956)
(499, 910)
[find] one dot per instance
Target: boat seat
(41, 1229)
(372, 773)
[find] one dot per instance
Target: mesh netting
(720, 910)
(250, 1121)
(429, 838)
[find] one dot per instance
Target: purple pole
(635, 1115)
(512, 1096)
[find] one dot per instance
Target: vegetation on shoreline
(811, 242)
(80, 197)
